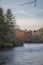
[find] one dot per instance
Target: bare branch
(28, 3)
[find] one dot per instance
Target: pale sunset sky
(28, 16)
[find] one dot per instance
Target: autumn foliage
(21, 36)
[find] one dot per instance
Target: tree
(7, 28)
(2, 26)
(21, 36)
(10, 20)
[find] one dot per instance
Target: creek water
(29, 54)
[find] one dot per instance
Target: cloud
(30, 23)
(19, 11)
(38, 10)
(32, 13)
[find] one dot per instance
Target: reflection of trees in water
(6, 57)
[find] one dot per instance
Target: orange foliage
(21, 36)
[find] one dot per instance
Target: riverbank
(4, 45)
(14, 45)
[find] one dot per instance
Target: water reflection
(27, 55)
(6, 56)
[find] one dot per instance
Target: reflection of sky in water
(31, 54)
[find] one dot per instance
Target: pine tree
(10, 20)
(2, 27)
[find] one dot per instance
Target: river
(29, 54)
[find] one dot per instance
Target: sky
(27, 16)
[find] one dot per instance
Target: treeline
(7, 28)
(29, 36)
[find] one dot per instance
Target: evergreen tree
(10, 20)
(7, 28)
(2, 27)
